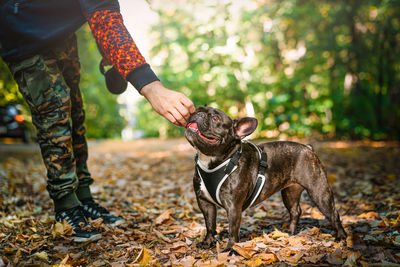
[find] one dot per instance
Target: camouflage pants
(49, 82)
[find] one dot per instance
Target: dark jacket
(28, 27)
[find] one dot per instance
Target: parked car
(13, 123)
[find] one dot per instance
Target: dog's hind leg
(322, 195)
(291, 198)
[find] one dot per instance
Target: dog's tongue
(192, 125)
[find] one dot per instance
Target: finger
(183, 111)
(171, 118)
(178, 117)
(188, 104)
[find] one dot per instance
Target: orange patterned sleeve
(118, 47)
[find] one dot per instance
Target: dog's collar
(213, 179)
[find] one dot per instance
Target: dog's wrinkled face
(213, 132)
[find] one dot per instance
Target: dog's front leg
(234, 219)
(210, 214)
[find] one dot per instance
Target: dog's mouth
(193, 126)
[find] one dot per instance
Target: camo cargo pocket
(43, 87)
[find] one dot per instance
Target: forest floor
(149, 183)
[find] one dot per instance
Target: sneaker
(94, 211)
(75, 217)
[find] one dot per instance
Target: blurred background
(327, 69)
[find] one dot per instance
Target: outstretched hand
(172, 105)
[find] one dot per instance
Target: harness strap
(260, 177)
(234, 161)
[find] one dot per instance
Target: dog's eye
(215, 118)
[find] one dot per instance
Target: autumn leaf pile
(149, 183)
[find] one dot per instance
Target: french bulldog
(289, 167)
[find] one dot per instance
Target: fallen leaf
(372, 215)
(332, 177)
(297, 240)
(335, 258)
(253, 263)
(178, 247)
(63, 263)
(245, 249)
(314, 258)
(63, 228)
(165, 218)
(316, 214)
(277, 234)
(260, 214)
(42, 255)
(351, 260)
(144, 257)
(195, 230)
(268, 258)
(96, 223)
(185, 262)
(295, 258)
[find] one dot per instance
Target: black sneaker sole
(79, 239)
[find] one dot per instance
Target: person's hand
(172, 105)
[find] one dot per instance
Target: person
(39, 46)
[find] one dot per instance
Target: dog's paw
(206, 244)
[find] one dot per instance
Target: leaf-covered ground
(149, 183)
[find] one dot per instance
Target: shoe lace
(76, 217)
(97, 208)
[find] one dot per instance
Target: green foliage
(8, 87)
(305, 67)
(102, 110)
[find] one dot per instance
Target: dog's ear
(244, 126)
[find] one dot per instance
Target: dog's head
(213, 132)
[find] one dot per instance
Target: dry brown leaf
(58, 229)
(268, 258)
(161, 236)
(245, 249)
(332, 177)
(144, 257)
(223, 256)
(184, 262)
(283, 253)
(68, 229)
(372, 215)
(297, 240)
(277, 234)
(22, 238)
(195, 230)
(316, 214)
(63, 263)
(178, 247)
(295, 258)
(314, 258)
(165, 218)
(62, 229)
(253, 263)
(98, 223)
(352, 259)
(335, 257)
(42, 255)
